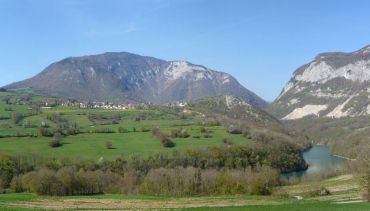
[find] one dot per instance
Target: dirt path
(134, 204)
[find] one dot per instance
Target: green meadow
(23, 137)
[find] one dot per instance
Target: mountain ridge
(123, 76)
(334, 85)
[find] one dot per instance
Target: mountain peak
(122, 76)
(332, 85)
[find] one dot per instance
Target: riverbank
(319, 160)
(347, 158)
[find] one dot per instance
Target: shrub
(72, 131)
(4, 118)
(143, 129)
(104, 130)
(16, 184)
(108, 145)
(322, 191)
(45, 132)
(16, 117)
(203, 130)
(164, 140)
(179, 133)
(68, 181)
(56, 118)
(56, 142)
(7, 170)
(227, 141)
(234, 130)
(122, 130)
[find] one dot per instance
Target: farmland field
(23, 137)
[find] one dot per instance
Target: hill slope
(236, 109)
(332, 85)
(130, 77)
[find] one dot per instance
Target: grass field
(91, 145)
(345, 195)
(138, 140)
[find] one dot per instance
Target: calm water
(320, 160)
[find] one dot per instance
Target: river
(319, 160)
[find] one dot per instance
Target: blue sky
(260, 42)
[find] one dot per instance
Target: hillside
(333, 85)
(237, 110)
(127, 77)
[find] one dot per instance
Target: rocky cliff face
(332, 85)
(130, 77)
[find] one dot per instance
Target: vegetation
(56, 142)
(346, 136)
(160, 151)
(342, 197)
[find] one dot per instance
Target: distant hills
(333, 85)
(126, 77)
(236, 109)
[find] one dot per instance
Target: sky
(259, 42)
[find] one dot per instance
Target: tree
(7, 170)
(56, 141)
(108, 145)
(362, 168)
(16, 117)
(6, 99)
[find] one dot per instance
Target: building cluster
(105, 105)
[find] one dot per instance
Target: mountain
(234, 113)
(235, 109)
(332, 85)
(127, 77)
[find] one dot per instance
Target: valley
(223, 149)
(185, 105)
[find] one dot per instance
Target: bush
(16, 117)
(227, 141)
(179, 133)
(56, 142)
(16, 184)
(203, 130)
(104, 130)
(122, 130)
(72, 131)
(68, 181)
(45, 132)
(164, 140)
(247, 133)
(234, 130)
(108, 145)
(2, 90)
(322, 191)
(7, 170)
(143, 129)
(194, 181)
